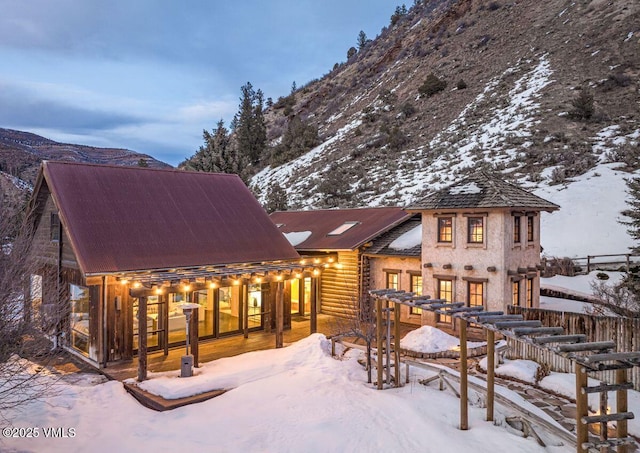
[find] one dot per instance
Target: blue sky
(151, 75)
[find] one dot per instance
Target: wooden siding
(339, 288)
(625, 332)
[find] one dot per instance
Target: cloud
(22, 108)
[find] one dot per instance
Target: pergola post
(379, 340)
(396, 342)
(491, 372)
(582, 407)
(464, 408)
(279, 315)
(314, 305)
(193, 335)
(621, 406)
(142, 338)
(244, 290)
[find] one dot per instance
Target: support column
(279, 315)
(396, 342)
(582, 407)
(244, 289)
(193, 335)
(464, 407)
(621, 406)
(314, 305)
(142, 338)
(379, 340)
(491, 372)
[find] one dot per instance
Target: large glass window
(476, 294)
(204, 298)
(516, 229)
(445, 229)
(229, 309)
(416, 288)
(393, 280)
(445, 291)
(255, 305)
(79, 298)
(476, 230)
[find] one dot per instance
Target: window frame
(473, 296)
(389, 273)
(470, 230)
(444, 318)
(517, 230)
(54, 227)
(441, 230)
(413, 285)
(531, 228)
(515, 293)
(529, 292)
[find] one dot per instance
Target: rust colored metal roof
(132, 218)
(370, 222)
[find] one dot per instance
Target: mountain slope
(514, 71)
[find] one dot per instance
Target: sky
(151, 75)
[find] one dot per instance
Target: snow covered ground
(579, 285)
(294, 399)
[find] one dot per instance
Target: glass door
(255, 306)
(156, 312)
(206, 313)
(229, 314)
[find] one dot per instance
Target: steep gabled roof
(482, 190)
(390, 243)
(361, 226)
(132, 218)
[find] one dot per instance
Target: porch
(210, 350)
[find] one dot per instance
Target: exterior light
(137, 284)
(236, 282)
(279, 277)
(317, 260)
(331, 260)
(212, 285)
(298, 275)
(303, 262)
(258, 280)
(326, 265)
(124, 281)
(158, 291)
(316, 272)
(338, 265)
(186, 288)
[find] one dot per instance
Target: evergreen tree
(217, 155)
(351, 52)
(299, 138)
(142, 163)
(249, 125)
(277, 199)
(633, 213)
(362, 40)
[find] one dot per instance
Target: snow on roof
(297, 237)
(410, 239)
(469, 188)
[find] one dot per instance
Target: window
(416, 288)
(445, 229)
(530, 228)
(342, 228)
(392, 280)
(516, 229)
(529, 292)
(476, 294)
(515, 293)
(54, 227)
(445, 291)
(79, 318)
(476, 230)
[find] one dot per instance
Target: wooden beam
(519, 331)
(579, 338)
(591, 346)
(279, 315)
(396, 343)
(512, 324)
(582, 408)
(379, 340)
(621, 356)
(464, 408)
(244, 290)
(142, 338)
(313, 324)
(608, 387)
(621, 406)
(491, 372)
(193, 336)
(487, 318)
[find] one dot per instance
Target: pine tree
(249, 125)
(299, 138)
(633, 213)
(217, 155)
(277, 199)
(362, 40)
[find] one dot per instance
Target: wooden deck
(210, 350)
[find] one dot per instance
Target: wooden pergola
(587, 357)
(180, 280)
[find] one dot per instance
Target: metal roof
(132, 218)
(371, 222)
(482, 190)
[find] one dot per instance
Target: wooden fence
(625, 332)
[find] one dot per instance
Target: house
(481, 244)
(128, 246)
(353, 236)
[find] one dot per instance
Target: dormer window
(346, 226)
